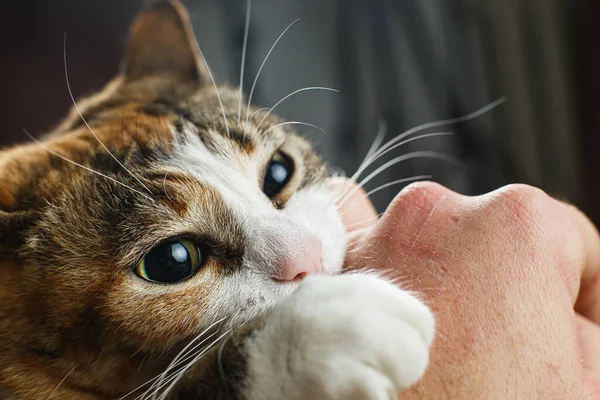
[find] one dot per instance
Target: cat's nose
(298, 267)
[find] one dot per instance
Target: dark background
(405, 62)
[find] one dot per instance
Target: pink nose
(299, 267)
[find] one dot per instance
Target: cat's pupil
(277, 175)
(170, 262)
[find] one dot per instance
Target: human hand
(504, 274)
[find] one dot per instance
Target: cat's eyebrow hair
(245, 141)
(164, 106)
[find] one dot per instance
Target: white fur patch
(352, 336)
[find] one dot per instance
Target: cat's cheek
(156, 316)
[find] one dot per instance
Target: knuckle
(425, 189)
(522, 205)
(419, 196)
(414, 203)
(409, 213)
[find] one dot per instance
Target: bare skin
(513, 277)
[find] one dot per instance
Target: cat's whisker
(394, 161)
(435, 124)
(191, 354)
(185, 352)
(146, 395)
(173, 364)
(62, 381)
(169, 379)
(175, 361)
(381, 132)
(293, 123)
(220, 356)
(192, 362)
(214, 85)
(396, 182)
(165, 378)
(165, 186)
(30, 136)
(365, 164)
(290, 95)
(244, 48)
(379, 154)
(363, 221)
(141, 363)
(386, 185)
(256, 112)
(147, 392)
(86, 123)
(263, 64)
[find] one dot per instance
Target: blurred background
(398, 63)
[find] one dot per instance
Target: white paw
(351, 336)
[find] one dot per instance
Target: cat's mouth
(296, 280)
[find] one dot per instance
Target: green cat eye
(277, 175)
(170, 262)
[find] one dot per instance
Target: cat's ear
(18, 166)
(162, 43)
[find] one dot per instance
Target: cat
(163, 242)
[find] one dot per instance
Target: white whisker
(293, 123)
(257, 111)
(61, 382)
(363, 221)
(371, 156)
(378, 154)
(184, 352)
(381, 132)
(397, 182)
(82, 166)
(195, 360)
(435, 124)
(290, 95)
(263, 64)
(166, 377)
(214, 85)
(394, 161)
(368, 161)
(220, 355)
(86, 123)
(244, 47)
(165, 186)
(173, 363)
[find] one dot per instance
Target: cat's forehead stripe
(199, 116)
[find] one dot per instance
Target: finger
(587, 280)
(589, 339)
(356, 210)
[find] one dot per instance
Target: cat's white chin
(337, 337)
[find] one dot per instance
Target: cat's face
(200, 219)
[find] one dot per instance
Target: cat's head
(184, 208)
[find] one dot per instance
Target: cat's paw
(351, 336)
